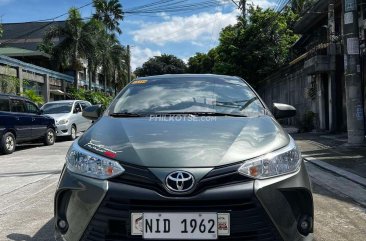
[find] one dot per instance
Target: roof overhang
(312, 17)
(57, 92)
(18, 52)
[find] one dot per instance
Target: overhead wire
(161, 6)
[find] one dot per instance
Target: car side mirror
(281, 111)
(40, 112)
(92, 112)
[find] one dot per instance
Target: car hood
(58, 117)
(149, 143)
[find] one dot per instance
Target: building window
(31, 85)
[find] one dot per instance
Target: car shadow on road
(44, 234)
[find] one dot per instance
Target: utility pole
(352, 73)
(243, 8)
(332, 49)
(128, 64)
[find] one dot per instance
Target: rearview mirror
(92, 112)
(281, 111)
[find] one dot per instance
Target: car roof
(65, 101)
(14, 96)
(207, 76)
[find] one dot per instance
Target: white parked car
(67, 115)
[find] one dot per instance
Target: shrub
(9, 84)
(91, 96)
(32, 95)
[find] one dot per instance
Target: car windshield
(57, 108)
(220, 95)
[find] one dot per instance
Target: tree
(112, 57)
(256, 47)
(164, 64)
(202, 63)
(76, 43)
(299, 6)
(109, 12)
(1, 31)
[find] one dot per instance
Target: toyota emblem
(180, 181)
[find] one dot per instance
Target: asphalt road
(29, 176)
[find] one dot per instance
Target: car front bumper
(63, 130)
(259, 209)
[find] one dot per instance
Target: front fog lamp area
(284, 161)
(86, 163)
(62, 122)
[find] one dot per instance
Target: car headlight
(83, 162)
(280, 162)
(62, 122)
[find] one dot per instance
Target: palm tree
(77, 40)
(109, 12)
(113, 56)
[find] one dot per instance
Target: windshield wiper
(201, 114)
(125, 114)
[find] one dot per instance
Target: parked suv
(22, 121)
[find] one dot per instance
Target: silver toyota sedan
(67, 115)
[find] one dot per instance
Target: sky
(180, 34)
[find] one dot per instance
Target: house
(314, 80)
(21, 41)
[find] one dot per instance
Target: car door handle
(33, 119)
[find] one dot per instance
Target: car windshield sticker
(139, 82)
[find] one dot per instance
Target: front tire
(49, 139)
(73, 133)
(7, 145)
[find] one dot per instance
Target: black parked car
(180, 157)
(22, 121)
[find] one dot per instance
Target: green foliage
(93, 40)
(300, 6)
(9, 84)
(33, 96)
(46, 46)
(1, 31)
(202, 63)
(164, 64)
(253, 48)
(77, 41)
(91, 96)
(109, 12)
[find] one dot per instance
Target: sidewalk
(332, 153)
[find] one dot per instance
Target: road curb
(346, 174)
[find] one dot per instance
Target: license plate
(180, 225)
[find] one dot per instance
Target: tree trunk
(105, 82)
(90, 78)
(76, 75)
(76, 79)
(95, 73)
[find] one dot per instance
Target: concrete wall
(291, 86)
(50, 81)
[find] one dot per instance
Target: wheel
(49, 139)
(73, 133)
(7, 143)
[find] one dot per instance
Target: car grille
(219, 176)
(248, 220)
